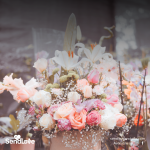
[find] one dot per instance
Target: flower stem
(146, 113)
(141, 104)
(121, 86)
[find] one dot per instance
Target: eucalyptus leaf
(14, 123)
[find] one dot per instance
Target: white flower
(96, 54)
(118, 106)
(108, 121)
(73, 97)
(98, 90)
(42, 98)
(67, 60)
(41, 64)
(47, 122)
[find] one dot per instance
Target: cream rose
(108, 121)
(47, 122)
(73, 97)
(41, 64)
(42, 98)
(63, 111)
(87, 91)
(118, 106)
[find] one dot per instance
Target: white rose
(98, 90)
(109, 110)
(118, 106)
(108, 121)
(73, 97)
(47, 122)
(42, 98)
(41, 64)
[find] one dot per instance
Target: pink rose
(81, 84)
(53, 109)
(93, 76)
(31, 111)
(113, 99)
(93, 118)
(121, 120)
(64, 124)
(87, 91)
(78, 119)
(99, 104)
(63, 111)
(22, 95)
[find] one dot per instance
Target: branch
(121, 86)
(107, 37)
(141, 103)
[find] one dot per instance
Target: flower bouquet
(79, 103)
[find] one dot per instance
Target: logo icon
(18, 140)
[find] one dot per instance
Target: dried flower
(63, 78)
(31, 111)
(55, 71)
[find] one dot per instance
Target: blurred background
(28, 27)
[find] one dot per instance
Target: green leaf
(145, 147)
(63, 72)
(14, 123)
(51, 78)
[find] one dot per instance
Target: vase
(22, 146)
(73, 140)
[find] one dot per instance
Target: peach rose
(63, 111)
(81, 84)
(93, 76)
(22, 95)
(87, 91)
(47, 122)
(120, 119)
(93, 118)
(78, 119)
